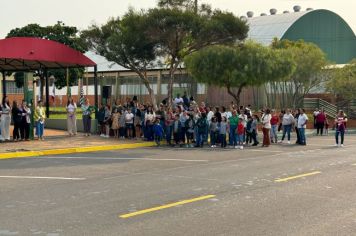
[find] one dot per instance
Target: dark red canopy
(23, 54)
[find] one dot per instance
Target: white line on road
(40, 177)
(122, 158)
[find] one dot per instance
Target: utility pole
(196, 6)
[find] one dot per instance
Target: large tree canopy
(239, 66)
(342, 82)
(124, 41)
(61, 33)
(310, 60)
(181, 31)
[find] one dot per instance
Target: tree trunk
(237, 95)
(174, 66)
(151, 93)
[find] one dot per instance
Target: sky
(82, 13)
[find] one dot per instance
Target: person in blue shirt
(158, 132)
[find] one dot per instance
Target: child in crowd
(248, 130)
(177, 129)
(223, 131)
(189, 125)
(129, 122)
(214, 131)
(115, 122)
(240, 134)
(158, 132)
(254, 130)
(326, 127)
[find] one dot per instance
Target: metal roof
(264, 29)
(26, 53)
(103, 64)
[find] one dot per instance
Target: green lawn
(61, 113)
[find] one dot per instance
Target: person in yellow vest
(40, 117)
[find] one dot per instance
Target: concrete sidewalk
(58, 142)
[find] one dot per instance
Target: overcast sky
(81, 13)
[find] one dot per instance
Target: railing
(312, 103)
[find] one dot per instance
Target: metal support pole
(3, 83)
(96, 86)
(47, 93)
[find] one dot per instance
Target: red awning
(25, 54)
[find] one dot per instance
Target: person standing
(129, 122)
(189, 124)
(315, 114)
(240, 134)
(5, 119)
(243, 119)
(320, 122)
(150, 117)
(223, 129)
(287, 123)
(302, 125)
(71, 117)
(17, 118)
(274, 126)
(86, 110)
(233, 122)
(202, 125)
(214, 131)
(40, 120)
(296, 116)
(254, 129)
(115, 116)
(158, 132)
(169, 119)
(340, 127)
(266, 126)
(177, 129)
(26, 121)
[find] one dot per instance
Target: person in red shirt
(240, 134)
(320, 121)
(274, 126)
(202, 107)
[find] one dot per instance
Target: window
(12, 89)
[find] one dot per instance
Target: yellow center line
(166, 206)
(297, 176)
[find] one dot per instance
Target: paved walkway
(58, 142)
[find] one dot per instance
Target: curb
(74, 150)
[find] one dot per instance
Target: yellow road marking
(297, 176)
(166, 206)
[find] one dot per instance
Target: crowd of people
(188, 124)
(20, 116)
(184, 123)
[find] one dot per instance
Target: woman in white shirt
(150, 117)
(71, 118)
(5, 119)
(266, 126)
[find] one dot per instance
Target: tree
(125, 42)
(61, 33)
(237, 67)
(309, 60)
(180, 31)
(343, 82)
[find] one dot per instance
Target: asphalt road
(281, 190)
